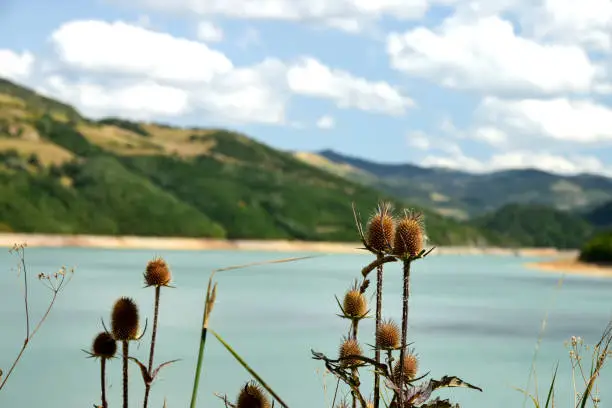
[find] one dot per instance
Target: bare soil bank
(572, 265)
(172, 243)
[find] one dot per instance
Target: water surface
(474, 316)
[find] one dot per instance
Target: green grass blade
(552, 387)
(536, 404)
(249, 369)
(196, 381)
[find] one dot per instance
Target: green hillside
(598, 250)
(62, 173)
(537, 226)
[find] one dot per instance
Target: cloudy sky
(477, 85)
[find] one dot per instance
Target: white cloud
(486, 54)
(118, 47)
(209, 32)
(144, 100)
(16, 66)
(419, 140)
(326, 122)
(560, 119)
(545, 161)
(344, 14)
(312, 78)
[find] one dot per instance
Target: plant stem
(406, 295)
(196, 380)
(153, 335)
(125, 373)
(103, 381)
(379, 287)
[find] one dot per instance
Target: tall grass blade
(249, 369)
(551, 390)
(275, 261)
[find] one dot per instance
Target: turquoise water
(477, 317)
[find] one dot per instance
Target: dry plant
(389, 239)
(55, 282)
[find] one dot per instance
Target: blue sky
(477, 85)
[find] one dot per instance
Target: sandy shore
(571, 265)
(171, 243)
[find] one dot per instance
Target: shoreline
(7, 240)
(572, 266)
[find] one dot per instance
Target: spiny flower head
(388, 335)
(125, 319)
(409, 235)
(104, 346)
(157, 273)
(355, 304)
(381, 229)
(252, 396)
(411, 366)
(349, 347)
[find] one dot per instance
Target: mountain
(601, 215)
(63, 173)
(465, 195)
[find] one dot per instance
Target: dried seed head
(124, 319)
(349, 347)
(355, 303)
(388, 335)
(252, 396)
(411, 365)
(381, 229)
(409, 235)
(369, 404)
(157, 273)
(104, 346)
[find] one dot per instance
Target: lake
(474, 316)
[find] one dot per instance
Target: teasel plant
(378, 239)
(397, 239)
(104, 347)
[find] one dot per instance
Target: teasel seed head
(349, 347)
(388, 335)
(125, 319)
(411, 366)
(157, 273)
(380, 231)
(369, 404)
(252, 396)
(355, 304)
(409, 235)
(104, 346)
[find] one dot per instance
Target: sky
(475, 85)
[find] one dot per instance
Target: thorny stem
(379, 284)
(406, 295)
(355, 327)
(125, 373)
(376, 263)
(103, 381)
(153, 335)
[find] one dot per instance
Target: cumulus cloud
(419, 140)
(487, 55)
(326, 122)
(209, 32)
(545, 161)
(346, 15)
(312, 78)
(558, 119)
(141, 58)
(16, 66)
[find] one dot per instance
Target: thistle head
(349, 347)
(388, 335)
(104, 346)
(252, 396)
(409, 235)
(380, 231)
(125, 319)
(410, 366)
(355, 304)
(157, 273)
